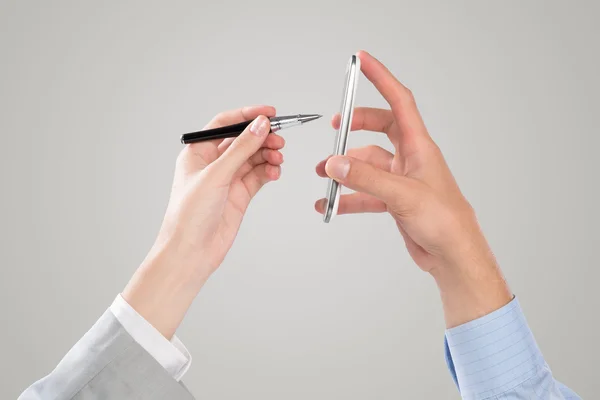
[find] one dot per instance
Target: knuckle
(372, 153)
(433, 148)
(218, 120)
(182, 156)
(356, 171)
(372, 149)
(409, 95)
(428, 148)
(219, 117)
(467, 209)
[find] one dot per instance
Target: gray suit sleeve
(107, 363)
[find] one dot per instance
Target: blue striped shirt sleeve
(496, 357)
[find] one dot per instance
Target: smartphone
(332, 196)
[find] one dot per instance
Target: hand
(416, 187)
(213, 185)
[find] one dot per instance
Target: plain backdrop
(94, 96)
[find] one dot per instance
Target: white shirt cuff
(172, 355)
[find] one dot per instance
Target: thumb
(399, 192)
(241, 149)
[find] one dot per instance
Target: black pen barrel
(216, 133)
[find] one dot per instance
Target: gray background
(94, 95)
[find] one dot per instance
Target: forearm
(489, 347)
(471, 285)
(162, 290)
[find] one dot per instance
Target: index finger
(398, 96)
(208, 150)
(240, 115)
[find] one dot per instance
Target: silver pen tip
(304, 118)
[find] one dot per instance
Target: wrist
(163, 288)
(471, 286)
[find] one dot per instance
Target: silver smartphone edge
(334, 188)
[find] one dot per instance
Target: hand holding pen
(214, 182)
(216, 176)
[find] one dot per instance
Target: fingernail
(260, 126)
(338, 167)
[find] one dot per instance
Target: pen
(277, 123)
